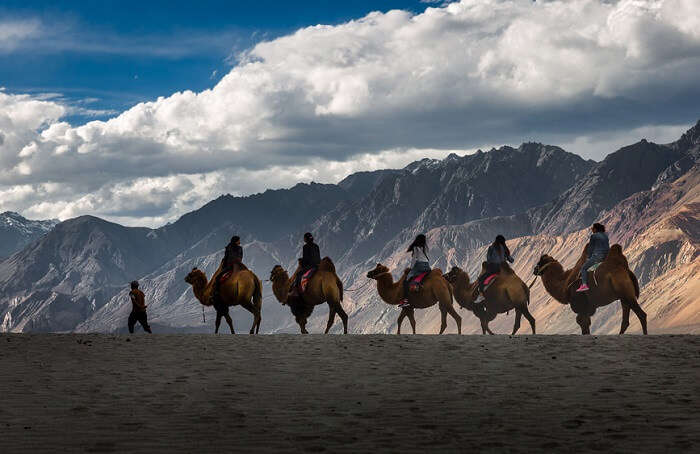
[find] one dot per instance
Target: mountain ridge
(74, 278)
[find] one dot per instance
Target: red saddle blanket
(419, 278)
(490, 279)
(305, 278)
(416, 282)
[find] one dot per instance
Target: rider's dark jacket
(311, 255)
(233, 254)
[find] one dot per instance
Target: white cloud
(337, 97)
(14, 32)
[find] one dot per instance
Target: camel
(508, 292)
(242, 289)
(613, 280)
(435, 290)
(324, 287)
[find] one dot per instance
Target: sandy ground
(203, 393)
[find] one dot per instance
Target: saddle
(305, 278)
(228, 274)
(416, 282)
(595, 267)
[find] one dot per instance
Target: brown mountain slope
(660, 233)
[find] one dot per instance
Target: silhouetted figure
(231, 263)
(419, 264)
(597, 249)
(310, 259)
(496, 255)
(138, 309)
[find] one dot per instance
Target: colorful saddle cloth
(305, 278)
(416, 282)
(489, 280)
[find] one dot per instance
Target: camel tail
(635, 282)
(340, 287)
(527, 292)
(257, 292)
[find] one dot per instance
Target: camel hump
(327, 265)
(616, 257)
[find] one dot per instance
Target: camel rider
(419, 264)
(597, 249)
(233, 258)
(310, 258)
(496, 255)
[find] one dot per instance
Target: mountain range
(73, 276)
(17, 232)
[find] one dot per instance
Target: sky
(138, 112)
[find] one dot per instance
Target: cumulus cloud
(456, 76)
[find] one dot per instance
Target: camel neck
(554, 280)
(388, 289)
(280, 288)
(463, 289)
(199, 290)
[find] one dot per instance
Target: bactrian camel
(242, 289)
(613, 280)
(323, 287)
(507, 292)
(435, 289)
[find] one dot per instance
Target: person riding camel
(420, 263)
(597, 249)
(496, 255)
(310, 259)
(232, 262)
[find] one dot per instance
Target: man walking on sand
(138, 309)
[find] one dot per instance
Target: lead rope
(357, 288)
(533, 282)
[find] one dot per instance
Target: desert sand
(292, 393)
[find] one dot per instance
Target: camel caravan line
(498, 290)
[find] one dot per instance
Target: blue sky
(110, 54)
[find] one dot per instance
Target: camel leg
(639, 312)
(516, 325)
(331, 317)
(399, 321)
(458, 319)
(412, 319)
(217, 323)
(485, 326)
(443, 319)
(302, 325)
(528, 316)
(256, 316)
(584, 321)
(625, 318)
(343, 316)
(230, 323)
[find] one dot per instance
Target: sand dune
(200, 393)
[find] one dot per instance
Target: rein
(541, 270)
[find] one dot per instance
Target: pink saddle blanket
(419, 278)
(490, 279)
(305, 278)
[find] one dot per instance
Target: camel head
(544, 262)
(453, 274)
(278, 274)
(195, 277)
(379, 269)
